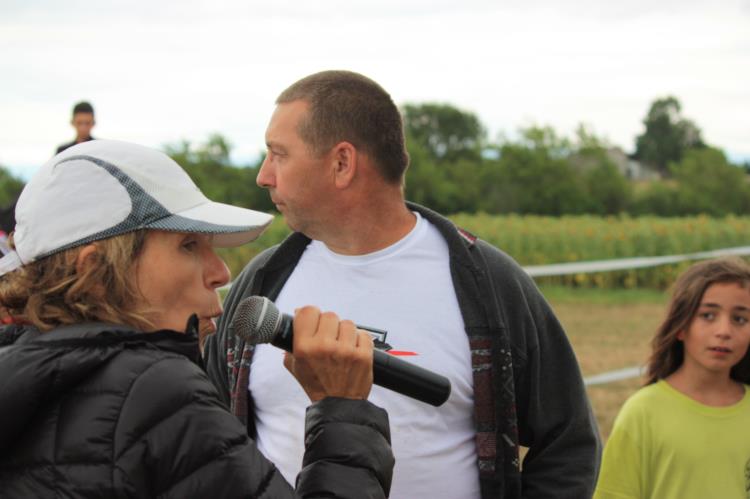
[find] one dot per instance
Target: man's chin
(293, 226)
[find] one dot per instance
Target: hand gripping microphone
(258, 320)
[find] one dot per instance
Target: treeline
(544, 174)
(456, 168)
(673, 172)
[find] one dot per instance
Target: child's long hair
(667, 351)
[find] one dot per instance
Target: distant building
(630, 168)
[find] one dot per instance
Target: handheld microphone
(258, 320)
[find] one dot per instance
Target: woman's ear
(86, 257)
(681, 335)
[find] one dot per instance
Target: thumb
(289, 362)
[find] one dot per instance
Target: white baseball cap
(103, 188)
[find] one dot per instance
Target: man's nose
(265, 176)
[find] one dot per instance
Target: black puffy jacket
(100, 411)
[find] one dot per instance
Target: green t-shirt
(665, 445)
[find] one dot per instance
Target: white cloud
(158, 72)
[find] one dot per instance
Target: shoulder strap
(503, 466)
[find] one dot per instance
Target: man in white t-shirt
(335, 169)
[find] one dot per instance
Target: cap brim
(231, 225)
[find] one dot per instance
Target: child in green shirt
(686, 434)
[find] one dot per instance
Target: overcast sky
(158, 72)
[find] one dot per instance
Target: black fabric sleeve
(347, 450)
(555, 419)
(177, 440)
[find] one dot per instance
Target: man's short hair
(347, 106)
(83, 107)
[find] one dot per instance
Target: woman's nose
(217, 272)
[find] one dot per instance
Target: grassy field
(609, 330)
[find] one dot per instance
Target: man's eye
(740, 319)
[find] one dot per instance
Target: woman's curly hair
(51, 292)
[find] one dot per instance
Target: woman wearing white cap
(102, 392)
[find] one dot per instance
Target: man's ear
(86, 257)
(344, 164)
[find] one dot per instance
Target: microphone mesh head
(256, 320)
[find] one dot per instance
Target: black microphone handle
(409, 379)
(388, 371)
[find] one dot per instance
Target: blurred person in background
(82, 121)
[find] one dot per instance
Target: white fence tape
(610, 376)
(617, 264)
(628, 263)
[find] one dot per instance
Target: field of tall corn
(535, 240)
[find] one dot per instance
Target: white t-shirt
(405, 289)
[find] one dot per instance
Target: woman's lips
(207, 325)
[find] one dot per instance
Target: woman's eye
(707, 315)
(740, 319)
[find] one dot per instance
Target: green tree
(210, 167)
(10, 187)
(587, 140)
(448, 190)
(708, 183)
(667, 136)
(609, 192)
(704, 182)
(445, 132)
(533, 176)
(658, 198)
(546, 140)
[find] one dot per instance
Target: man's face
(83, 123)
(295, 177)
